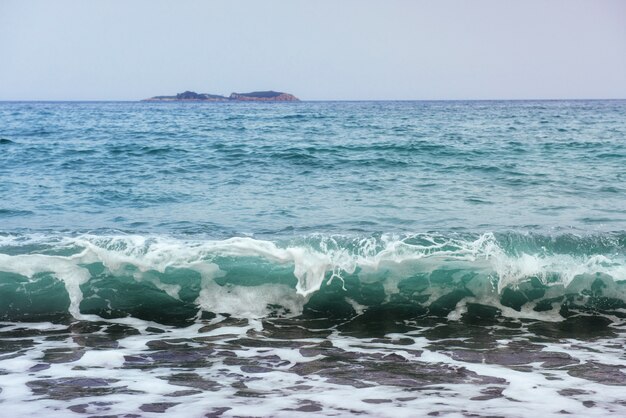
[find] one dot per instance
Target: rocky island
(255, 96)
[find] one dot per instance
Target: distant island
(255, 96)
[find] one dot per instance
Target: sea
(372, 259)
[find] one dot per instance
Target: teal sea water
(276, 170)
(338, 258)
(389, 199)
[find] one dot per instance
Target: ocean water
(332, 258)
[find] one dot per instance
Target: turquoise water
(225, 170)
(339, 258)
(521, 203)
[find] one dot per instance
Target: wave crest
(118, 275)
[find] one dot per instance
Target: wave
(14, 212)
(168, 279)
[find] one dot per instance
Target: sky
(316, 49)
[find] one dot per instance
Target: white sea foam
(249, 301)
(388, 259)
(537, 391)
(65, 269)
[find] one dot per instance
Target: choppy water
(367, 258)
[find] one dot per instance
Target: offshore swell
(385, 259)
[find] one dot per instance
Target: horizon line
(305, 100)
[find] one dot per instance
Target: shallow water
(274, 367)
(336, 258)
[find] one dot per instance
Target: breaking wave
(168, 280)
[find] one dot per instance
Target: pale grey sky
(316, 49)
